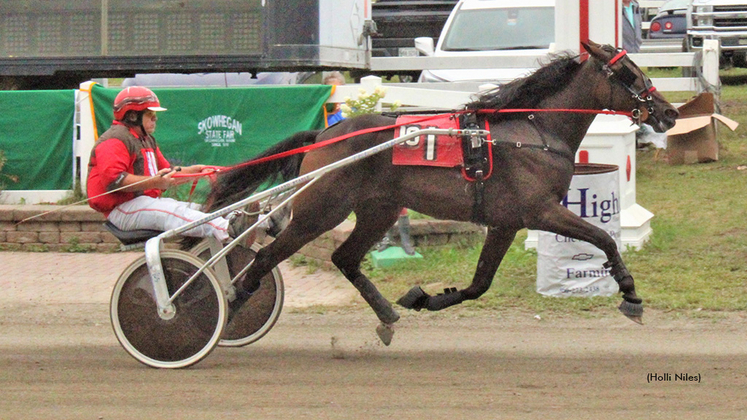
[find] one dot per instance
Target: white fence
(433, 96)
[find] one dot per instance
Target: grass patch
(75, 196)
(74, 245)
(513, 287)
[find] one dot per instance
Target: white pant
(165, 214)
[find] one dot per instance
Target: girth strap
(543, 147)
(478, 163)
(478, 208)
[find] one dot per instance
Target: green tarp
(36, 135)
(209, 126)
(225, 126)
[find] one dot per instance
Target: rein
(213, 171)
(305, 149)
(625, 76)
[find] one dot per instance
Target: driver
(127, 155)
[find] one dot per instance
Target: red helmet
(135, 98)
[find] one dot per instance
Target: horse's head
(631, 89)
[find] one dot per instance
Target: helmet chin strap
(134, 119)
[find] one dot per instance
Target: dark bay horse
(533, 165)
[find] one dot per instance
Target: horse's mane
(528, 92)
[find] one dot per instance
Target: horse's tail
(241, 181)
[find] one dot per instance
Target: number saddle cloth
(474, 158)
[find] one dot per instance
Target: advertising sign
(567, 266)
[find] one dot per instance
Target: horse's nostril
(672, 113)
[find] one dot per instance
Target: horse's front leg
(496, 245)
(564, 222)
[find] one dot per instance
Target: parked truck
(725, 20)
(61, 43)
(399, 22)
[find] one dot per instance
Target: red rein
(213, 170)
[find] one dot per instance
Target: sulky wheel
(180, 340)
(257, 317)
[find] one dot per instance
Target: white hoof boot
(385, 333)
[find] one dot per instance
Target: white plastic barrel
(569, 267)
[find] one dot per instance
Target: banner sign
(225, 126)
(569, 267)
(37, 138)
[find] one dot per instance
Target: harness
(474, 150)
(626, 78)
(478, 161)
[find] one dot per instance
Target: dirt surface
(62, 361)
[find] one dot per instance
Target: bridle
(626, 78)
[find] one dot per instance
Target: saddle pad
(427, 150)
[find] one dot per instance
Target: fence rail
(433, 95)
(450, 95)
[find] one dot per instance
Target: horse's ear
(593, 48)
(596, 50)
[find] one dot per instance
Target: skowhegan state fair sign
(225, 126)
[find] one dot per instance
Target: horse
(533, 155)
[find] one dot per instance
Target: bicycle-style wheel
(259, 314)
(175, 341)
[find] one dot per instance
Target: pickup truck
(491, 28)
(725, 20)
(399, 22)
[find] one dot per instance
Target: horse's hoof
(385, 333)
(634, 311)
(415, 298)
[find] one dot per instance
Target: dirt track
(63, 362)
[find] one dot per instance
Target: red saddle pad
(428, 150)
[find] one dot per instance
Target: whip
(90, 198)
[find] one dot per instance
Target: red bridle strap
(650, 90)
(617, 58)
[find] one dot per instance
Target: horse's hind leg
(371, 225)
(496, 245)
(311, 219)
